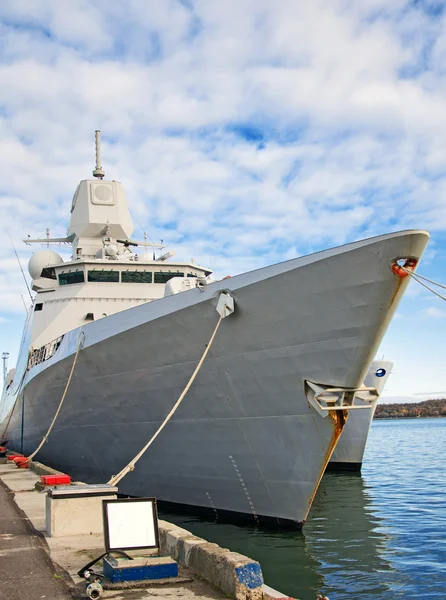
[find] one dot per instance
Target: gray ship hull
(245, 439)
(349, 451)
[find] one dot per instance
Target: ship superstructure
(106, 273)
(260, 423)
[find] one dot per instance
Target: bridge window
(48, 273)
(164, 276)
(103, 276)
(192, 275)
(136, 277)
(73, 277)
(38, 306)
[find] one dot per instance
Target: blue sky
(245, 133)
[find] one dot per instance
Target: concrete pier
(26, 570)
(207, 571)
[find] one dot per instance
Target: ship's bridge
(71, 294)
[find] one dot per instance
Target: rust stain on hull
(402, 273)
(339, 418)
(397, 289)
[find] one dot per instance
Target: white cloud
(435, 312)
(245, 132)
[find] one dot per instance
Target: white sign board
(130, 523)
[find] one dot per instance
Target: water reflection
(408, 493)
(339, 552)
(378, 536)
(346, 538)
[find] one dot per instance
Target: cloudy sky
(245, 132)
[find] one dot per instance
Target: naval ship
(257, 428)
(349, 451)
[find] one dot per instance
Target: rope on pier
(418, 279)
(131, 465)
(3, 436)
(45, 437)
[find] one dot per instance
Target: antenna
(24, 303)
(98, 172)
(20, 265)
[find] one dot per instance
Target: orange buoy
(402, 271)
(399, 271)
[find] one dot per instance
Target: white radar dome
(111, 250)
(41, 260)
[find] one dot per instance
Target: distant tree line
(428, 408)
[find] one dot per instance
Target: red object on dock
(3, 449)
(21, 461)
(11, 457)
(55, 479)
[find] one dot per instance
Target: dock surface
(26, 571)
(37, 567)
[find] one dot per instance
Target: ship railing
(40, 355)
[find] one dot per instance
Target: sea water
(376, 535)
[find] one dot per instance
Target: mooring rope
(45, 437)
(429, 280)
(418, 279)
(131, 465)
(3, 436)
